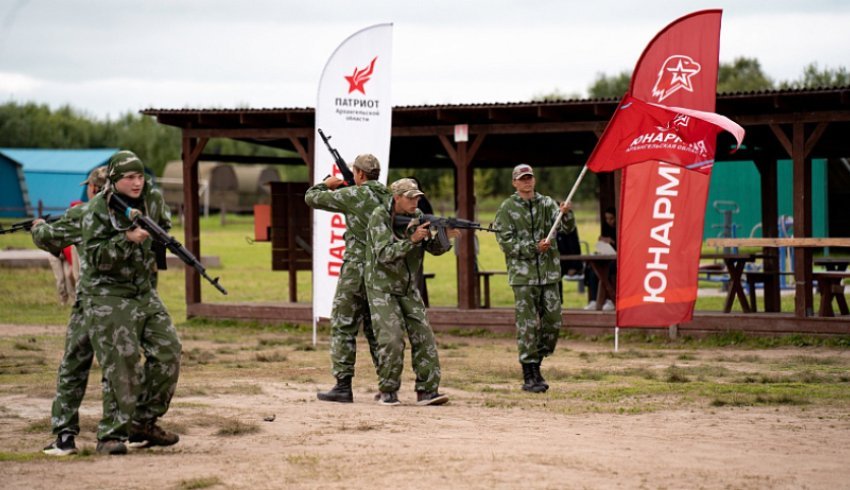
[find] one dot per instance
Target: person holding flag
(534, 270)
(350, 304)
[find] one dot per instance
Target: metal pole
(554, 229)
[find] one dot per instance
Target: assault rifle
(161, 236)
(440, 224)
(347, 174)
(26, 225)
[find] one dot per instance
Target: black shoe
(430, 398)
(530, 383)
(62, 446)
(149, 434)
(111, 446)
(390, 398)
(538, 378)
(340, 393)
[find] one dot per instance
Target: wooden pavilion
(796, 124)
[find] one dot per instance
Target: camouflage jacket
(357, 203)
(64, 232)
(112, 265)
(392, 259)
(522, 224)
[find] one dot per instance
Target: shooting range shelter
(796, 124)
(53, 176)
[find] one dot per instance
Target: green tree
(554, 95)
(742, 75)
(613, 86)
(815, 77)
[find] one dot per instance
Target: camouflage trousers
(350, 308)
(393, 317)
(538, 321)
(121, 329)
(73, 376)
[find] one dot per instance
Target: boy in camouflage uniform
(350, 305)
(122, 312)
(393, 257)
(77, 359)
(534, 271)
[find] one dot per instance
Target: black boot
(340, 393)
(530, 382)
(538, 378)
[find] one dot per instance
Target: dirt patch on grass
(626, 426)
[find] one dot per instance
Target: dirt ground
(490, 435)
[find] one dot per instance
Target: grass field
(27, 295)
(732, 410)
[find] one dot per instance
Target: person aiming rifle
(350, 304)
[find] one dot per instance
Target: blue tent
(14, 200)
(54, 176)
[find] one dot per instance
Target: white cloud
(110, 56)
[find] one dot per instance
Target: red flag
(660, 209)
(640, 132)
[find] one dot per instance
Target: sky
(108, 57)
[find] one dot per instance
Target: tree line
(33, 125)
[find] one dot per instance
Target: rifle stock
(347, 174)
(161, 236)
(26, 225)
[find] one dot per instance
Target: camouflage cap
(367, 163)
(97, 177)
(522, 169)
(406, 188)
(123, 163)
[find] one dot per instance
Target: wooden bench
(484, 302)
(829, 288)
(754, 278)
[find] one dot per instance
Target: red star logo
(360, 77)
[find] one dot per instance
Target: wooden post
(467, 288)
(769, 229)
(802, 222)
(192, 148)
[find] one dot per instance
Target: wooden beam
(778, 242)
(250, 159)
(450, 149)
(305, 155)
(519, 128)
(255, 133)
(813, 138)
(782, 137)
(501, 320)
(476, 144)
(803, 117)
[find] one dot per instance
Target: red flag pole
(569, 198)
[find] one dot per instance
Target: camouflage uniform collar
(516, 197)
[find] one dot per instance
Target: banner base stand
(616, 339)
